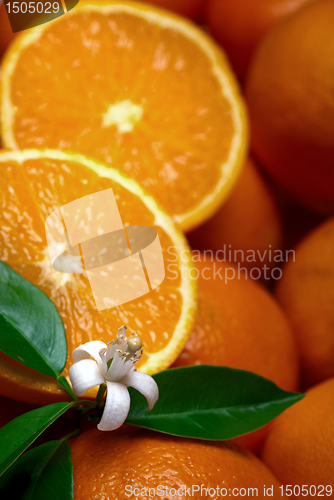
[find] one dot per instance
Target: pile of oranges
(213, 122)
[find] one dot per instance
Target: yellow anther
(120, 335)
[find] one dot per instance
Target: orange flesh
(66, 80)
(29, 193)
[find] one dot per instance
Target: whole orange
(126, 463)
(300, 446)
(289, 91)
(306, 293)
(248, 224)
(239, 26)
(239, 324)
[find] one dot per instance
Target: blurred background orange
(240, 25)
(306, 293)
(249, 221)
(289, 92)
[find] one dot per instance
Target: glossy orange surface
(104, 463)
(306, 294)
(300, 446)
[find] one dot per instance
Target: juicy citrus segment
(34, 184)
(137, 88)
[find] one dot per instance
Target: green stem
(86, 402)
(65, 385)
(100, 394)
(71, 435)
(85, 406)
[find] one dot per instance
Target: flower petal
(118, 368)
(84, 375)
(90, 349)
(145, 384)
(116, 408)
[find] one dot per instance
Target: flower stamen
(112, 367)
(120, 335)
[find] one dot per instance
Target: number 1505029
(32, 7)
(305, 490)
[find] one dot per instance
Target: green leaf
(43, 472)
(31, 331)
(210, 402)
(18, 435)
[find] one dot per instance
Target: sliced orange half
(34, 184)
(138, 88)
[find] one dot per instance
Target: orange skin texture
(104, 463)
(240, 25)
(239, 324)
(289, 93)
(300, 446)
(248, 220)
(306, 293)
